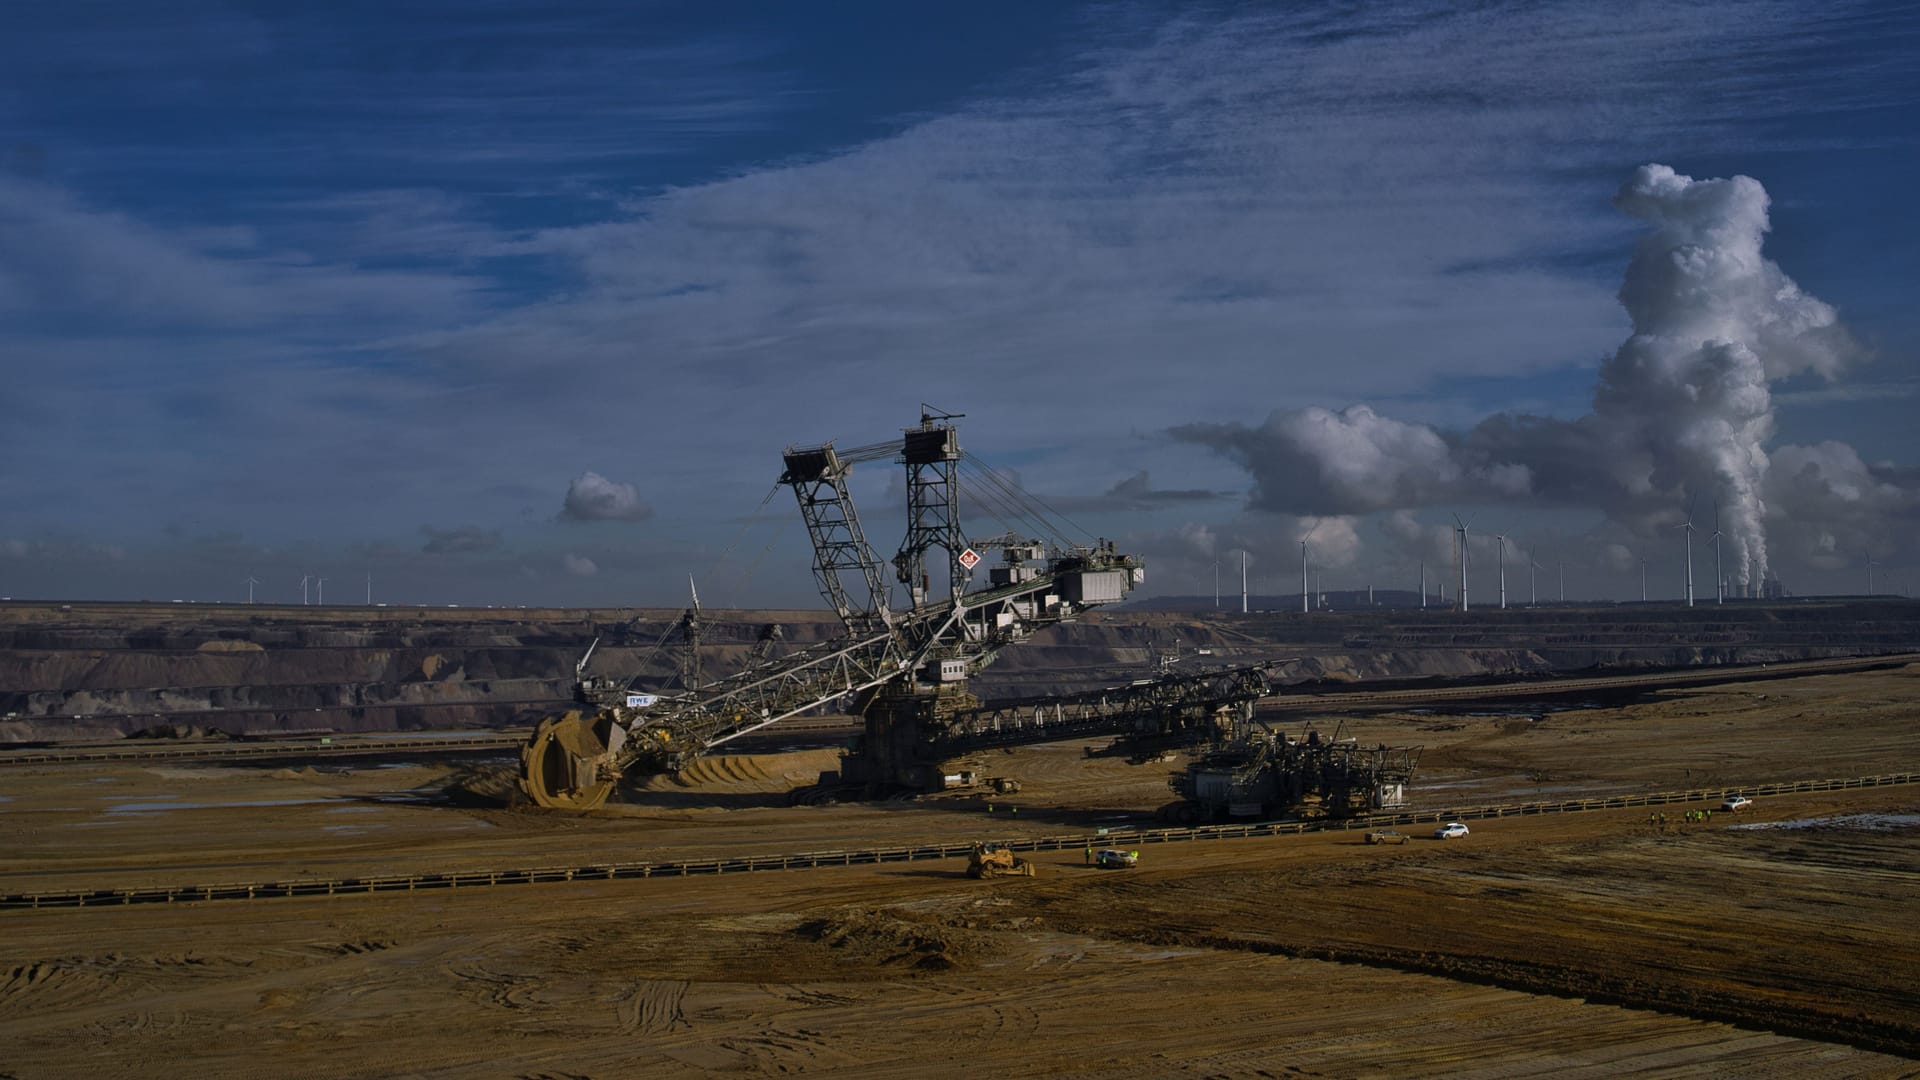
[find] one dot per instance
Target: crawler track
(492, 878)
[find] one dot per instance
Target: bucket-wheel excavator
(899, 669)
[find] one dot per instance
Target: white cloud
(1682, 411)
(592, 497)
(61, 258)
(465, 540)
(578, 565)
(1210, 217)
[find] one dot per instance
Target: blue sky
(346, 290)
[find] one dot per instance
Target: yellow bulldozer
(991, 860)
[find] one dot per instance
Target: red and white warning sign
(969, 559)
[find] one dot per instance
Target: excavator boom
(574, 760)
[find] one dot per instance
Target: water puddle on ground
(1855, 822)
(159, 807)
(1444, 785)
(1531, 792)
(437, 736)
(408, 798)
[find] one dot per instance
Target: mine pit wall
(100, 671)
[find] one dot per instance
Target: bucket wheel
(561, 765)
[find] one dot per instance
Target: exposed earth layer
(1775, 941)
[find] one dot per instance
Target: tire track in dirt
(500, 989)
(653, 1007)
(1729, 942)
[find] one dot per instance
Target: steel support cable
(753, 519)
(1037, 507)
(1003, 503)
(998, 488)
(754, 567)
(1030, 505)
(1044, 507)
(641, 668)
(997, 507)
(879, 451)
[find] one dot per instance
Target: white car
(1450, 830)
(1735, 802)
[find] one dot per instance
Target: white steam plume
(1713, 323)
(1682, 411)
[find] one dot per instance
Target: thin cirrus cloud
(1188, 217)
(463, 540)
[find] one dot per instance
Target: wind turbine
(1423, 584)
(250, 583)
(1870, 565)
(1243, 581)
(1533, 586)
(320, 591)
(1643, 581)
(1687, 528)
(1561, 562)
(304, 578)
(1719, 578)
(1463, 560)
(1303, 566)
(1500, 558)
(1216, 584)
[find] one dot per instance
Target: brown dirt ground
(1580, 945)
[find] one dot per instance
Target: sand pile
(892, 938)
(483, 785)
(765, 773)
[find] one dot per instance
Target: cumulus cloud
(578, 565)
(1681, 415)
(1836, 511)
(1176, 205)
(1333, 541)
(1349, 462)
(465, 540)
(592, 497)
(1416, 541)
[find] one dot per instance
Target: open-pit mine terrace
(80, 671)
(1619, 932)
